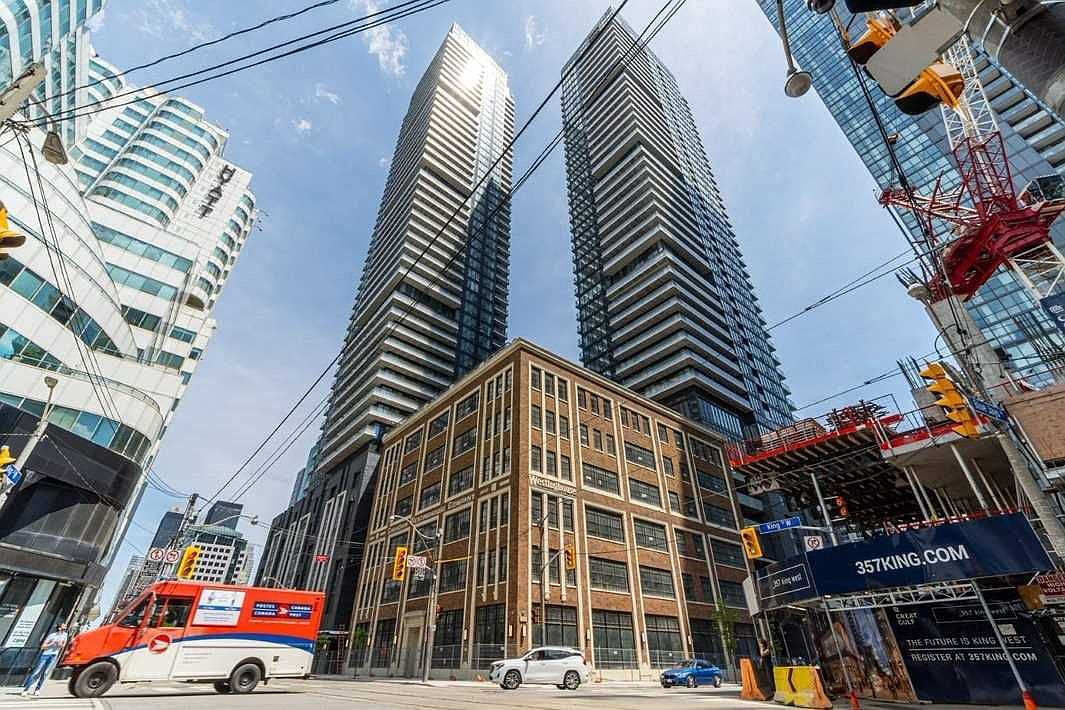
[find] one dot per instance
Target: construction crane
(992, 224)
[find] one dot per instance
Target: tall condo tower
(664, 301)
(419, 322)
(460, 119)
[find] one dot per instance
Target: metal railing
(447, 656)
(616, 658)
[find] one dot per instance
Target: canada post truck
(199, 632)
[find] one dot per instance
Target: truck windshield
(133, 619)
(171, 612)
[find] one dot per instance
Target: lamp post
(434, 589)
(35, 438)
(797, 82)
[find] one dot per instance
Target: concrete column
(987, 485)
(969, 477)
(916, 494)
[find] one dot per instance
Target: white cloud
(302, 126)
(383, 162)
(534, 35)
(323, 94)
(386, 43)
(166, 18)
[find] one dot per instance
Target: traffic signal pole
(824, 509)
(434, 594)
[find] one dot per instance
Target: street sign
(156, 554)
(778, 525)
(172, 555)
(416, 562)
(812, 542)
(321, 558)
(13, 474)
(988, 410)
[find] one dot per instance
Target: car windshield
(685, 664)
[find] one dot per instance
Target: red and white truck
(199, 632)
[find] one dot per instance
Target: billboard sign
(989, 547)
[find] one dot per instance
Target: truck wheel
(222, 686)
(245, 678)
(94, 680)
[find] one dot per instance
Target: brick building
(643, 494)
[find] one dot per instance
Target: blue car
(692, 673)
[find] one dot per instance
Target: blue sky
(317, 131)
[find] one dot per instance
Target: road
(321, 694)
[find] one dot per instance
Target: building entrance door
(412, 652)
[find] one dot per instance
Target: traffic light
(9, 238)
(6, 457)
(399, 564)
(841, 507)
(187, 565)
(939, 83)
(751, 544)
(951, 400)
(880, 30)
(571, 557)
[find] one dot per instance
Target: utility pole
(186, 518)
(824, 509)
(35, 438)
(434, 593)
(16, 93)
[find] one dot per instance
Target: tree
(358, 646)
(726, 618)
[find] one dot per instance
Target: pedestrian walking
(51, 647)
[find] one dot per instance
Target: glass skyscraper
(1022, 336)
(665, 304)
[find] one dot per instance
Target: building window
(667, 465)
(639, 455)
(534, 415)
(706, 640)
(460, 481)
(563, 427)
(457, 526)
(390, 591)
(584, 434)
(447, 639)
(430, 496)
(663, 434)
(615, 645)
(645, 493)
(656, 582)
(663, 640)
(551, 463)
(604, 524)
(650, 535)
(582, 398)
(467, 406)
(600, 478)
(561, 626)
(608, 412)
(689, 585)
(567, 472)
(711, 482)
(464, 442)
(719, 516)
(408, 474)
(597, 437)
(563, 389)
(537, 511)
(438, 424)
(417, 587)
(489, 634)
(434, 458)
(610, 444)
(535, 459)
(553, 573)
(608, 574)
(549, 422)
(452, 575)
(382, 643)
(725, 553)
(536, 375)
(405, 505)
(549, 384)
(412, 442)
(674, 501)
(690, 545)
(732, 594)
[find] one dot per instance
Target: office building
(418, 321)
(223, 555)
(1023, 337)
(665, 305)
(643, 496)
(224, 513)
(147, 219)
(166, 532)
(125, 592)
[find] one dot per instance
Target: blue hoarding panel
(989, 547)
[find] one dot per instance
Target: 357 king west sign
(990, 547)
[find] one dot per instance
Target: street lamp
(35, 438)
(797, 82)
(252, 519)
(53, 149)
(434, 590)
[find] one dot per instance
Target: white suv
(563, 666)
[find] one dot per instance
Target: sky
(317, 131)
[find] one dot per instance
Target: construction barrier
(800, 686)
(749, 677)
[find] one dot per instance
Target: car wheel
(222, 686)
(692, 683)
(511, 680)
(560, 686)
(244, 678)
(571, 680)
(665, 685)
(717, 681)
(94, 680)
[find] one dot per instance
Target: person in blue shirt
(51, 647)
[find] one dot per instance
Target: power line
(109, 103)
(190, 50)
